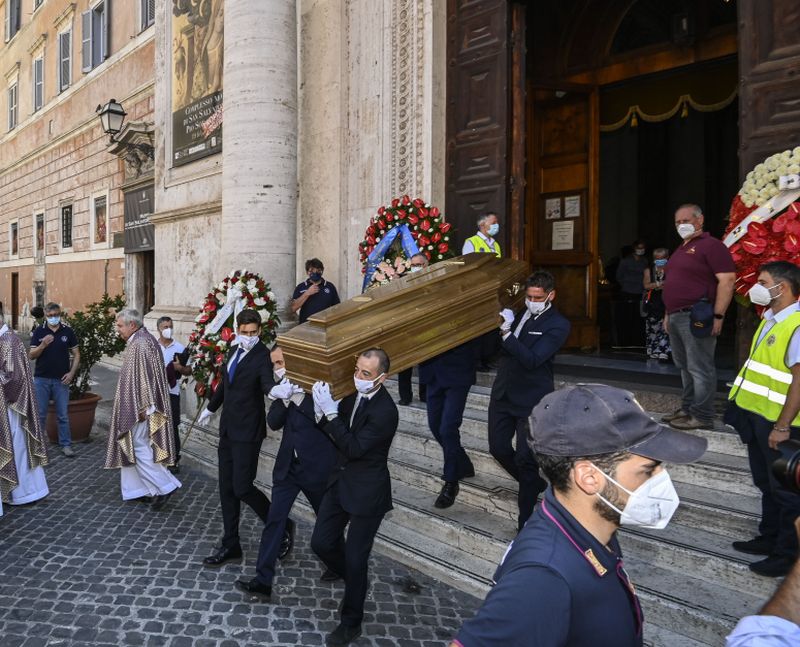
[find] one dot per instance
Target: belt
(674, 312)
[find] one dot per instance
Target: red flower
(793, 227)
(210, 307)
(436, 237)
(413, 219)
(371, 241)
(754, 246)
(425, 225)
(204, 318)
(423, 241)
(406, 200)
(395, 203)
(381, 224)
(423, 212)
(756, 230)
(443, 247)
(371, 230)
(400, 213)
(427, 254)
(792, 243)
(381, 210)
(445, 225)
(226, 334)
(419, 203)
(200, 389)
(434, 211)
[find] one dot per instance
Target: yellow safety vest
(480, 245)
(764, 379)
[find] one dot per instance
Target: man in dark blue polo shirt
(562, 581)
(55, 349)
(315, 293)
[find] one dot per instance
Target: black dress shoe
(330, 576)
(254, 587)
(774, 566)
(404, 402)
(758, 546)
(144, 499)
(447, 496)
(174, 469)
(222, 555)
(343, 635)
(160, 501)
(288, 540)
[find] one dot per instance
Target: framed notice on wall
(197, 42)
(572, 206)
(563, 235)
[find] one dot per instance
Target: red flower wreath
(426, 224)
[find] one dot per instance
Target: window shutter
(65, 60)
(104, 49)
(38, 83)
(151, 11)
(86, 41)
(7, 21)
(14, 17)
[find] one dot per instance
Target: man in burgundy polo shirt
(701, 267)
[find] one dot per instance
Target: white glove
(282, 391)
(296, 390)
(205, 415)
(323, 400)
(508, 319)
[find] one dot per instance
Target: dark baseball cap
(593, 419)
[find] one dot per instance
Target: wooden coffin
(412, 319)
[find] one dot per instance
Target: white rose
(786, 155)
(796, 151)
(271, 296)
(748, 202)
(221, 286)
(264, 314)
(251, 284)
(750, 175)
(794, 169)
(753, 193)
(773, 191)
(760, 168)
(259, 302)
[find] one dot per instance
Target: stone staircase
(692, 584)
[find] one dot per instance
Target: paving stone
(85, 569)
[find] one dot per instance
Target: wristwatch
(718, 316)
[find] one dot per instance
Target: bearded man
(23, 450)
(140, 442)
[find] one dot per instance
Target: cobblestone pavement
(83, 567)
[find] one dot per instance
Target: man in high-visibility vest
(766, 394)
(484, 240)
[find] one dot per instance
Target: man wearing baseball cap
(562, 581)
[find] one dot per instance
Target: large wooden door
(562, 208)
(477, 113)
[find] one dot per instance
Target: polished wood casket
(413, 319)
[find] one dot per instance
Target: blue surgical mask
(54, 321)
(494, 229)
(316, 276)
(660, 262)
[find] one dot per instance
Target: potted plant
(94, 328)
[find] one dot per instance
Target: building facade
(62, 191)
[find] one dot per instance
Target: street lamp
(111, 117)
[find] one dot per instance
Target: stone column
(259, 151)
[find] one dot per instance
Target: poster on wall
(563, 235)
(197, 40)
(552, 208)
(572, 206)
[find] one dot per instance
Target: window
(100, 220)
(94, 36)
(11, 19)
(38, 83)
(66, 226)
(39, 240)
(148, 13)
(12, 106)
(15, 239)
(64, 60)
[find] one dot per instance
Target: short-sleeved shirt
(692, 269)
(55, 360)
(325, 298)
(558, 586)
(168, 352)
(770, 319)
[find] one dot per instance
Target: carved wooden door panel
(562, 214)
(477, 114)
(769, 60)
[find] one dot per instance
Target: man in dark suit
(448, 378)
(530, 340)
(304, 462)
(246, 380)
(359, 491)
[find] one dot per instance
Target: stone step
(655, 636)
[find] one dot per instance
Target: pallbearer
(140, 441)
(23, 449)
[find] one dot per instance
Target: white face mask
(685, 230)
(416, 268)
(279, 374)
(761, 295)
(538, 307)
(365, 386)
(247, 342)
(494, 229)
(167, 333)
(651, 505)
(638, 252)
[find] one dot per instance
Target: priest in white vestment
(141, 442)
(23, 446)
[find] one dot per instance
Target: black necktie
(362, 404)
(234, 364)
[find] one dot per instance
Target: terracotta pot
(81, 418)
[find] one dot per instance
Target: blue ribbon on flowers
(379, 251)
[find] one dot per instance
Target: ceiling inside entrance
(567, 37)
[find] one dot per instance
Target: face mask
(493, 229)
(761, 295)
(248, 342)
(365, 386)
(685, 230)
(279, 373)
(316, 276)
(660, 262)
(638, 252)
(416, 268)
(167, 333)
(651, 505)
(538, 307)
(53, 321)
